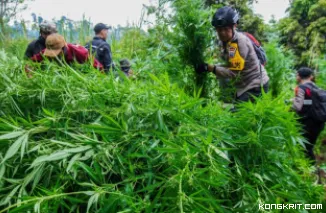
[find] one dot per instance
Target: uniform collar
(99, 38)
(235, 36)
(234, 39)
(308, 82)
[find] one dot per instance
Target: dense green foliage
(304, 30)
(192, 39)
(280, 69)
(75, 140)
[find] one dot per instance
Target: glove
(201, 68)
(114, 68)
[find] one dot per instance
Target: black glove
(114, 68)
(201, 68)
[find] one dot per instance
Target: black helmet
(225, 16)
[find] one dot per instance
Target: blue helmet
(224, 17)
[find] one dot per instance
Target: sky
(267, 8)
(111, 12)
(114, 12)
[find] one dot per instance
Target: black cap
(305, 72)
(99, 27)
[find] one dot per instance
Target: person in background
(302, 104)
(58, 50)
(125, 67)
(100, 48)
(243, 63)
(36, 46)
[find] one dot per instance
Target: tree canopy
(303, 31)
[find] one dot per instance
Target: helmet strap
(233, 31)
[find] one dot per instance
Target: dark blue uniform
(102, 51)
(35, 47)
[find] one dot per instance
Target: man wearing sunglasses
(238, 51)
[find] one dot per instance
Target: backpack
(318, 107)
(317, 110)
(260, 52)
(94, 50)
(76, 52)
(80, 54)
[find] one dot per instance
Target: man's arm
(221, 72)
(107, 57)
(29, 51)
(38, 57)
(298, 100)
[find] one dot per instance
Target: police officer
(302, 104)
(99, 47)
(36, 46)
(243, 64)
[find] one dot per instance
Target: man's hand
(201, 68)
(28, 71)
(220, 72)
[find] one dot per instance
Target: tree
(8, 10)
(303, 31)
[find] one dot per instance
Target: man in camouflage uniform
(36, 46)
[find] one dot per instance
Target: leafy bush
(192, 36)
(73, 142)
(15, 47)
(279, 66)
(321, 72)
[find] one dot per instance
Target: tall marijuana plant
(192, 35)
